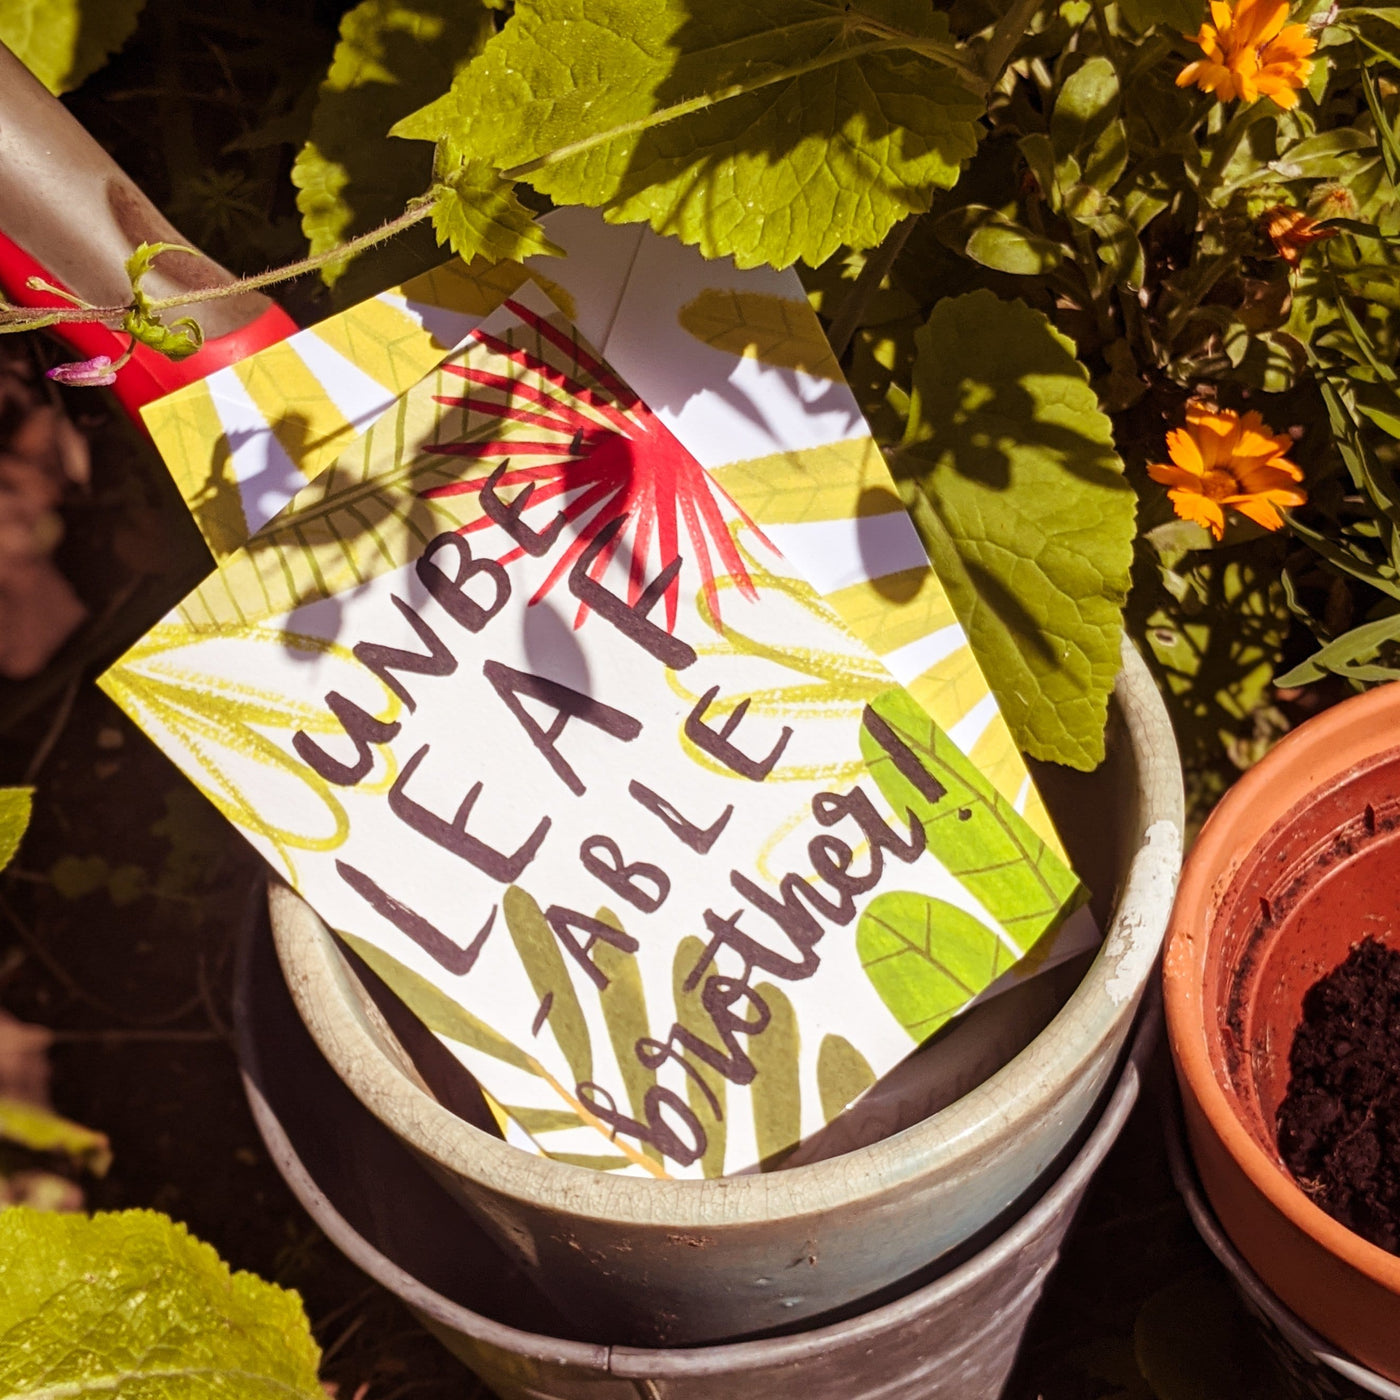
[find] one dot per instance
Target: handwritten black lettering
(362, 729)
(656, 1131)
(630, 619)
(435, 943)
(451, 592)
(566, 924)
(831, 807)
(699, 839)
(629, 881)
(535, 544)
(726, 933)
(903, 757)
(568, 704)
(715, 742)
(453, 835)
(385, 660)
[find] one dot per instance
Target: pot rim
(1326, 747)
(954, 1142)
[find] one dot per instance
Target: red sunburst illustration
(600, 454)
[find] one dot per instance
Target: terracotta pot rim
(1211, 866)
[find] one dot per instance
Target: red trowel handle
(70, 215)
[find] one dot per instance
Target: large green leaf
(773, 130)
(62, 41)
(392, 54)
(927, 958)
(15, 807)
(972, 829)
(131, 1304)
(1013, 482)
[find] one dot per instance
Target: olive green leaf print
(705, 1086)
(843, 1075)
(972, 829)
(776, 1090)
(927, 958)
(624, 1006)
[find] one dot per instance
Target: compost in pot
(1339, 1123)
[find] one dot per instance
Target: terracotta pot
(672, 1263)
(1311, 1367)
(954, 1337)
(1299, 861)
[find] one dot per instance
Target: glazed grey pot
(681, 1262)
(952, 1338)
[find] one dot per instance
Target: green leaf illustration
(771, 131)
(350, 174)
(63, 41)
(843, 1074)
(776, 1091)
(927, 958)
(692, 1016)
(436, 1009)
(549, 976)
(624, 1005)
(16, 804)
(972, 830)
(132, 1304)
(1013, 482)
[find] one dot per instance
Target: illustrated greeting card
(733, 363)
(551, 723)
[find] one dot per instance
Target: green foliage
(63, 41)
(772, 131)
(350, 174)
(776, 1090)
(16, 804)
(1018, 494)
(131, 1304)
(181, 338)
(706, 1087)
(41, 1130)
(927, 958)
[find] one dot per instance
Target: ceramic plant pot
(678, 1262)
(1311, 1367)
(1300, 860)
(952, 1338)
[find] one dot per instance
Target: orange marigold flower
(1221, 459)
(1291, 231)
(1249, 52)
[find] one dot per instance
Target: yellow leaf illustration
(779, 331)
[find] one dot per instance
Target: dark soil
(1339, 1124)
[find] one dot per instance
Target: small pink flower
(88, 374)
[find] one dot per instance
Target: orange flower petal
(1278, 475)
(1181, 477)
(1260, 510)
(1182, 449)
(1190, 505)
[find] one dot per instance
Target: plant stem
(1010, 30)
(14, 318)
(877, 268)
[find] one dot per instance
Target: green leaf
(1015, 487)
(435, 1008)
(770, 131)
(777, 1090)
(181, 338)
(16, 805)
(1085, 125)
(477, 214)
(351, 175)
(843, 1074)
(41, 1130)
(972, 829)
(1181, 16)
(995, 241)
(549, 976)
(131, 1304)
(1357, 655)
(63, 41)
(927, 958)
(707, 1103)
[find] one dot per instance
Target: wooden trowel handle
(70, 215)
